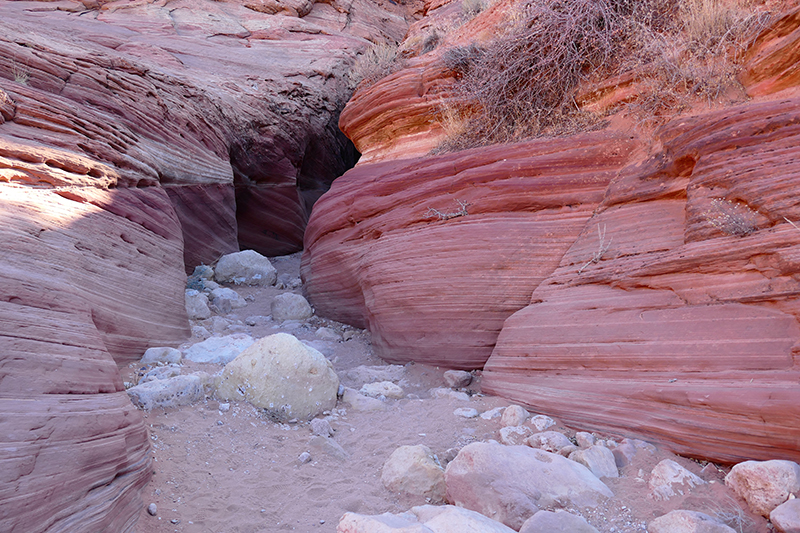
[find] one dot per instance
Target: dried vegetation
(524, 83)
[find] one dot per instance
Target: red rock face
(772, 60)
(391, 247)
(127, 130)
(684, 329)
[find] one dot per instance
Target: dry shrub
(470, 8)
(522, 84)
(377, 62)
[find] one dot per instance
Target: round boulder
(283, 376)
(413, 470)
(246, 267)
(290, 306)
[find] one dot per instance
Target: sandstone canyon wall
(138, 139)
(671, 314)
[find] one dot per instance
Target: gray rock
(485, 477)
(423, 519)
(290, 306)
(669, 479)
(359, 402)
(163, 372)
(542, 422)
(197, 305)
(556, 522)
(224, 407)
(466, 412)
(514, 415)
(200, 332)
(369, 374)
(321, 427)
(764, 484)
(457, 379)
(514, 435)
(257, 320)
(682, 521)
(387, 389)
(329, 446)
(162, 354)
(598, 459)
(304, 458)
(584, 439)
(246, 267)
(219, 350)
(218, 324)
(203, 272)
(328, 334)
(173, 392)
(786, 517)
(226, 299)
(152, 509)
(442, 392)
(491, 414)
(413, 470)
(550, 441)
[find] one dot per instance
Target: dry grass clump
(523, 83)
(377, 62)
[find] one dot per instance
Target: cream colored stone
(283, 376)
(413, 470)
(764, 484)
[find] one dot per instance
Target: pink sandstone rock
(377, 254)
(772, 62)
(684, 329)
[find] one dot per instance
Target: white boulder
(219, 350)
(161, 354)
(413, 470)
(598, 459)
(226, 299)
(764, 484)
(682, 521)
(173, 392)
(290, 306)
(283, 376)
(246, 267)
(550, 441)
(786, 517)
(514, 415)
(669, 479)
(196, 305)
(387, 389)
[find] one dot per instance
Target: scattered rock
(514, 415)
(457, 379)
(304, 458)
(203, 272)
(224, 407)
(162, 354)
(598, 459)
(257, 320)
(226, 299)
(668, 479)
(348, 334)
(369, 374)
(329, 446)
(413, 470)
(246, 267)
(328, 334)
(152, 509)
(386, 389)
(466, 412)
(359, 402)
(514, 435)
(287, 281)
(556, 522)
(550, 441)
(442, 392)
(283, 376)
(197, 305)
(485, 477)
(491, 414)
(321, 427)
(584, 439)
(290, 306)
(162, 372)
(681, 521)
(200, 332)
(566, 451)
(786, 517)
(218, 324)
(764, 484)
(542, 422)
(219, 350)
(173, 392)
(423, 519)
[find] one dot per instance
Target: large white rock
(681, 521)
(161, 354)
(290, 306)
(226, 299)
(173, 392)
(246, 267)
(598, 459)
(219, 350)
(197, 305)
(283, 376)
(422, 519)
(514, 415)
(556, 522)
(764, 484)
(786, 517)
(488, 478)
(413, 470)
(669, 479)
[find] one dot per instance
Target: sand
(238, 471)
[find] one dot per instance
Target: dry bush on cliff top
(377, 62)
(523, 83)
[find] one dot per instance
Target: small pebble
(304, 458)
(220, 422)
(224, 407)
(174, 521)
(152, 510)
